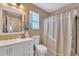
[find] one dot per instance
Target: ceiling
(49, 7)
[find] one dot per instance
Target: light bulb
(21, 6)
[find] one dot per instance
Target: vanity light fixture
(5, 4)
(13, 4)
(21, 6)
(17, 5)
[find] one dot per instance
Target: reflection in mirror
(9, 25)
(11, 22)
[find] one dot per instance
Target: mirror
(12, 22)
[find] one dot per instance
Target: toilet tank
(36, 39)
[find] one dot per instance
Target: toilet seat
(41, 48)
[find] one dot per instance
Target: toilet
(40, 50)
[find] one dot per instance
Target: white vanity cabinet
(22, 49)
(4, 51)
(18, 49)
(13, 50)
(29, 50)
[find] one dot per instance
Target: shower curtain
(50, 34)
(65, 32)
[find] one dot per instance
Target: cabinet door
(17, 50)
(20, 49)
(28, 50)
(26, 53)
(4, 51)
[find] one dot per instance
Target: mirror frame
(14, 12)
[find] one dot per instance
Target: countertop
(15, 41)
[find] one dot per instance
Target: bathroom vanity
(16, 47)
(11, 26)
